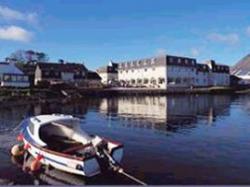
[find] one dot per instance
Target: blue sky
(95, 31)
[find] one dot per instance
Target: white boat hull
(89, 167)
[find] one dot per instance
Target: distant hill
(242, 67)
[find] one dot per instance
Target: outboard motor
(103, 160)
(101, 148)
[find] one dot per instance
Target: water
(168, 140)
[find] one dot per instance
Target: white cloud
(15, 33)
(231, 38)
(160, 52)
(195, 52)
(10, 15)
(248, 31)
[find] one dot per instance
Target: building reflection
(77, 108)
(167, 113)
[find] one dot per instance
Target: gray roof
(158, 61)
(8, 68)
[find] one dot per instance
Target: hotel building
(172, 71)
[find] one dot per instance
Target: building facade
(60, 73)
(11, 76)
(108, 74)
(219, 75)
(172, 71)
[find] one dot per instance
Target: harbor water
(182, 139)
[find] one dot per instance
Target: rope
(121, 171)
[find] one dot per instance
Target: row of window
(173, 69)
(182, 60)
(153, 61)
(221, 68)
(132, 70)
(138, 62)
(145, 81)
(57, 73)
(15, 78)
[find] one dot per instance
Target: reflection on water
(194, 139)
(167, 113)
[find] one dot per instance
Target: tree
(28, 56)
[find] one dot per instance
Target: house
(60, 73)
(29, 70)
(93, 80)
(11, 76)
(169, 71)
(108, 74)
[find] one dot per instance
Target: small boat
(58, 141)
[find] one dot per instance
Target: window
(178, 81)
(46, 73)
(14, 78)
(153, 81)
(7, 78)
(145, 69)
(145, 81)
(19, 78)
(161, 80)
(179, 60)
(26, 78)
(171, 60)
(170, 80)
(139, 81)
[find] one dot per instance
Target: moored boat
(58, 141)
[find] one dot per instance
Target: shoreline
(10, 96)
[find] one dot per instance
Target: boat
(58, 141)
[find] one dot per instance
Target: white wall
(67, 76)
(219, 79)
(202, 79)
(181, 75)
(144, 73)
(15, 84)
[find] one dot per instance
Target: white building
(109, 74)
(172, 71)
(219, 75)
(11, 76)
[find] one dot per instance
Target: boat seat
(76, 148)
(62, 139)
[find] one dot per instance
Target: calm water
(168, 140)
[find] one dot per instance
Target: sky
(94, 32)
